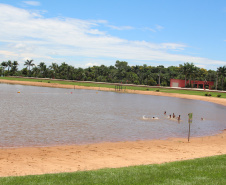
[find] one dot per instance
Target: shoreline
(70, 158)
(221, 101)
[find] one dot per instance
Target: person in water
(155, 117)
(174, 115)
(178, 118)
(165, 113)
(170, 116)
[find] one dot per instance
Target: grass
(210, 170)
(199, 93)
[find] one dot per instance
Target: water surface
(42, 116)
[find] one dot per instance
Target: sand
(42, 160)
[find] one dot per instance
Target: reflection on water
(41, 116)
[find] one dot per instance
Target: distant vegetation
(121, 72)
(210, 170)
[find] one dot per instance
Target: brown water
(41, 116)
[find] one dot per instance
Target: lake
(42, 116)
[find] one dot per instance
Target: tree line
(121, 72)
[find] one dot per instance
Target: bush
(151, 82)
(89, 79)
(157, 90)
(208, 94)
(164, 83)
(219, 95)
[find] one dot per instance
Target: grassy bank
(210, 170)
(179, 91)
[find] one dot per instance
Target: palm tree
(14, 67)
(4, 65)
(9, 64)
(43, 69)
(29, 64)
(191, 71)
(35, 71)
(185, 71)
(54, 68)
(63, 71)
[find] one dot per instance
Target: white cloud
(158, 27)
(32, 3)
(121, 27)
(155, 29)
(26, 34)
(91, 64)
(150, 29)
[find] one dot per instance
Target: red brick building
(194, 83)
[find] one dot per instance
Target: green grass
(210, 170)
(199, 93)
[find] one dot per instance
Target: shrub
(208, 94)
(157, 90)
(219, 95)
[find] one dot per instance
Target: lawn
(210, 170)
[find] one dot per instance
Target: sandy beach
(41, 160)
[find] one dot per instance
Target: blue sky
(84, 33)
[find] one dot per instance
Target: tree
(9, 65)
(132, 78)
(14, 67)
(4, 65)
(24, 71)
(63, 71)
(185, 70)
(122, 68)
(54, 69)
(35, 71)
(222, 72)
(29, 64)
(211, 75)
(191, 71)
(43, 69)
(80, 74)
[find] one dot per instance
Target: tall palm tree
(43, 69)
(55, 68)
(14, 67)
(9, 64)
(29, 64)
(191, 71)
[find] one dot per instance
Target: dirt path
(41, 160)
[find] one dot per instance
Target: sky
(84, 33)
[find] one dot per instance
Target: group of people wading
(174, 116)
(170, 117)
